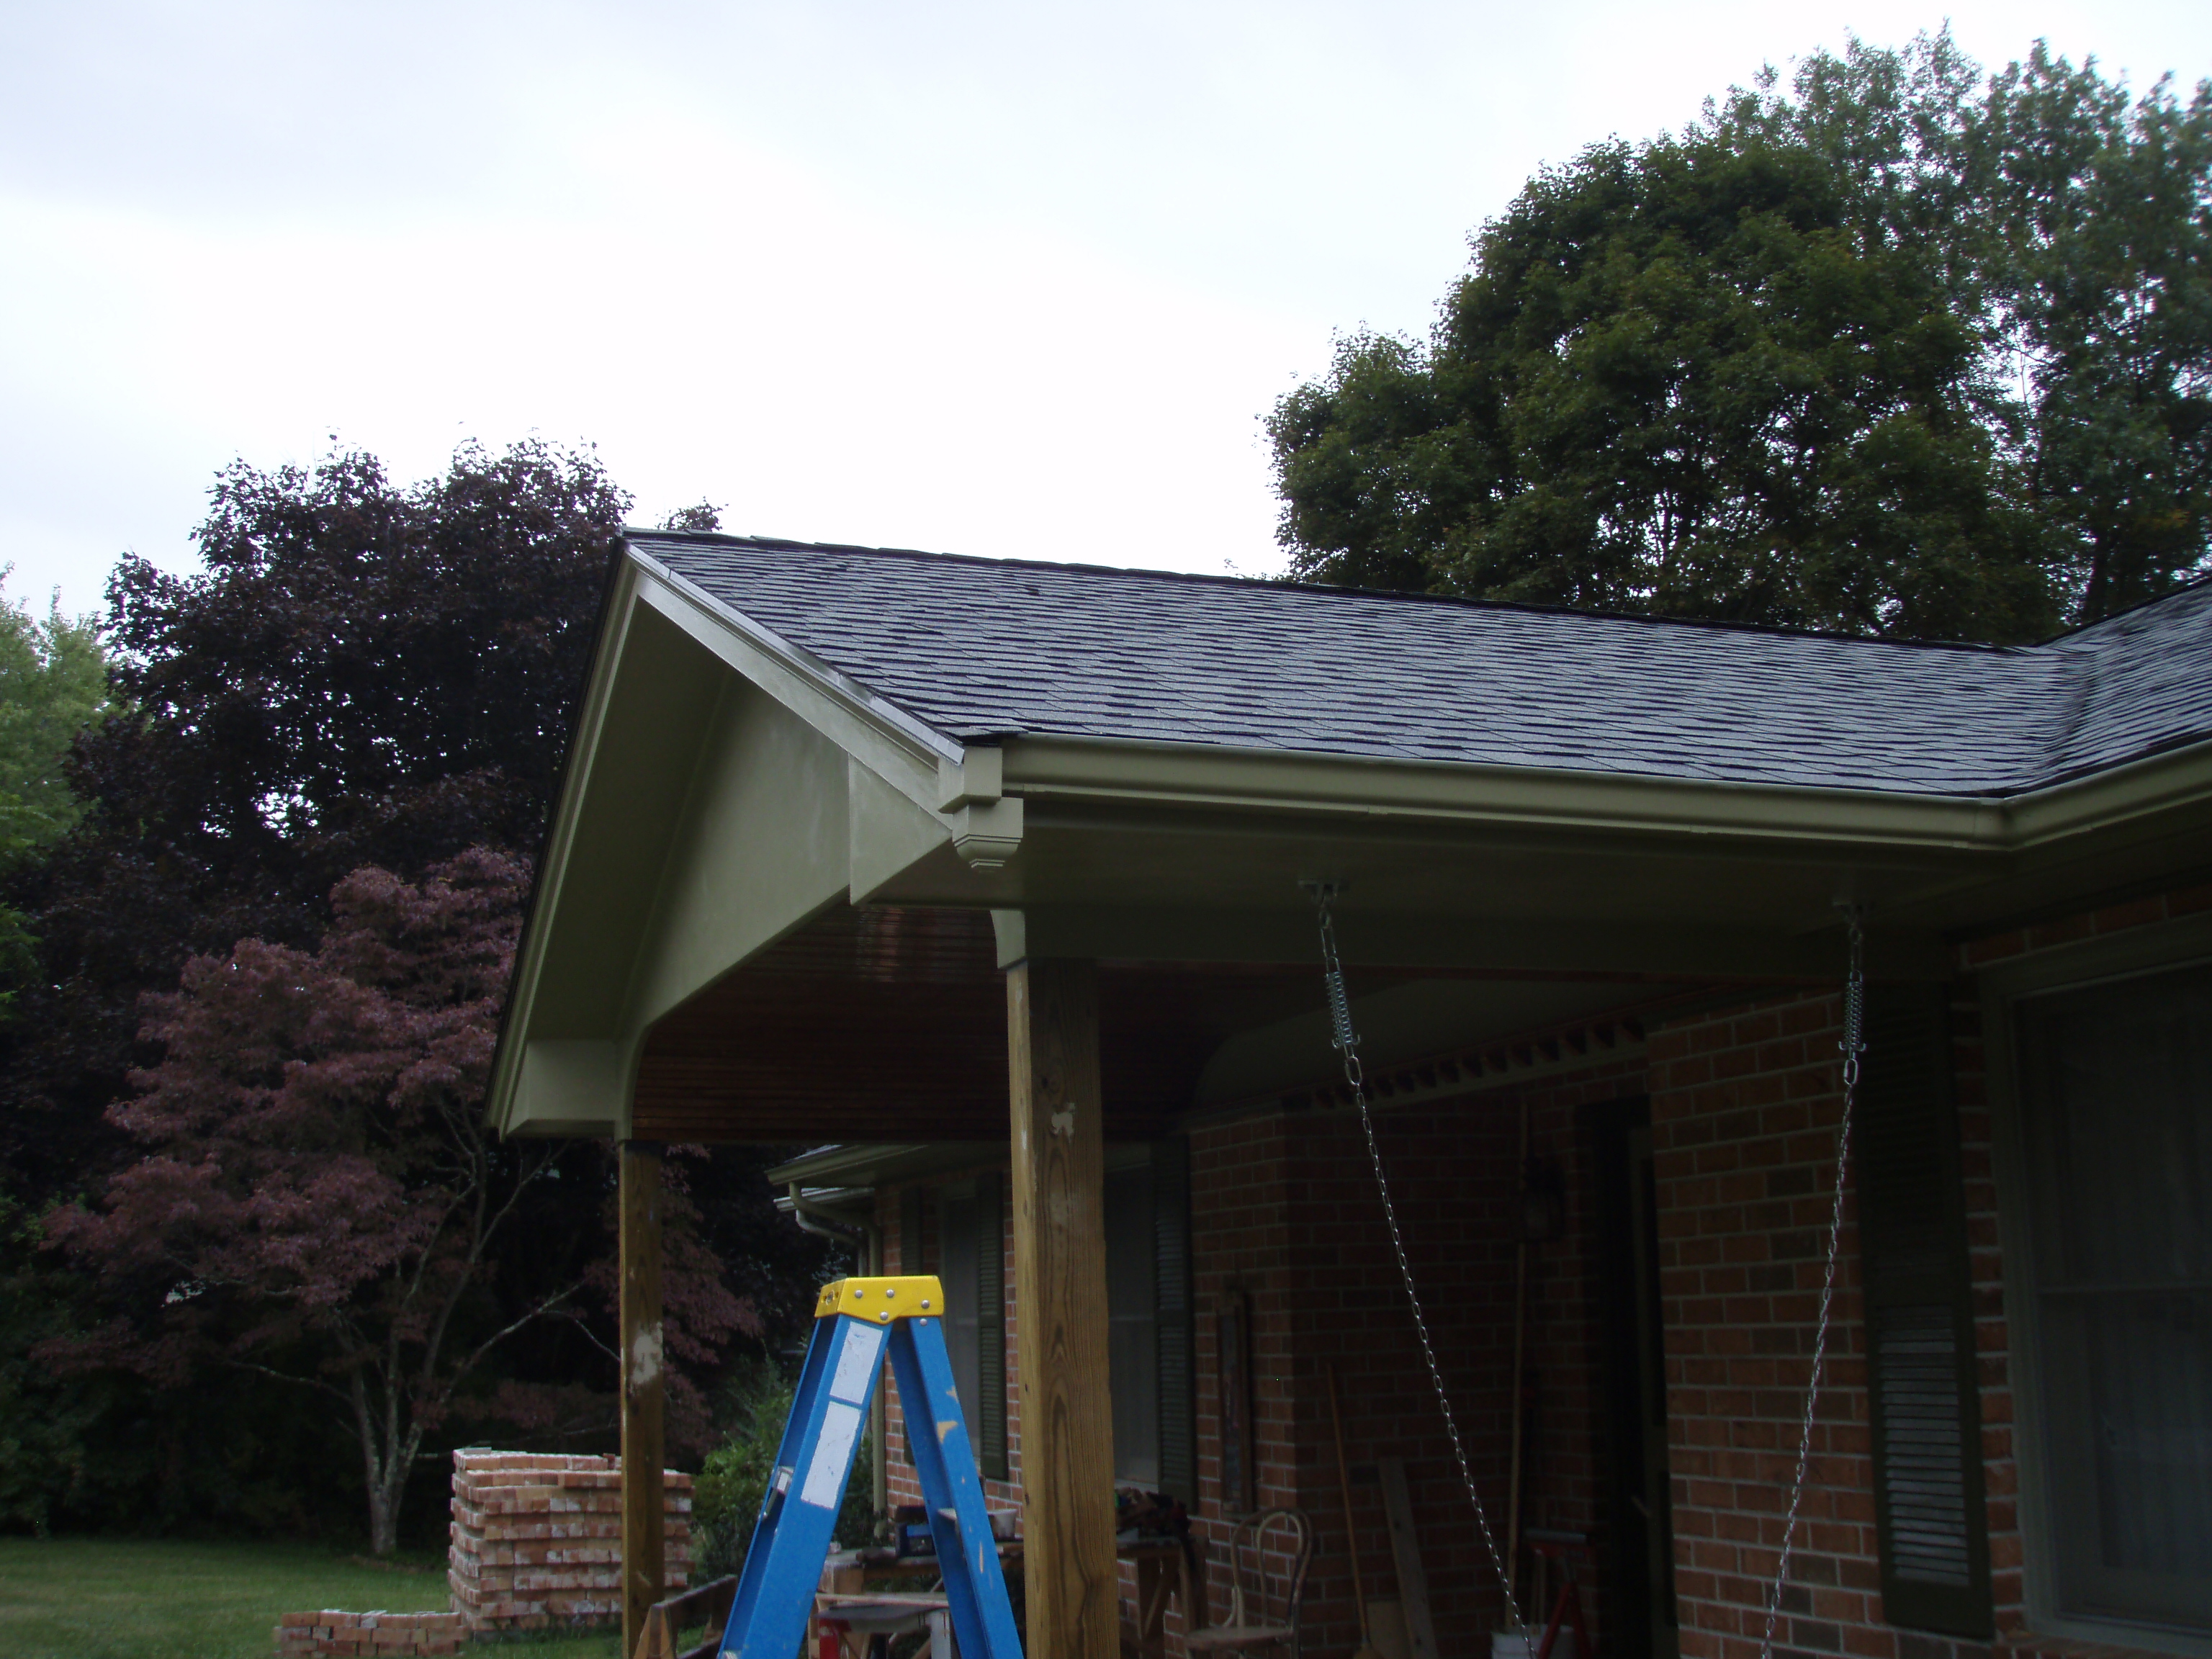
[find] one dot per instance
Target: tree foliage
(318, 1197)
(370, 682)
(364, 673)
(53, 686)
(1893, 350)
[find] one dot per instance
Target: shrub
(725, 1501)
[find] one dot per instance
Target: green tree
(365, 673)
(2104, 215)
(53, 685)
(1893, 350)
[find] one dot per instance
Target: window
(1151, 1342)
(1132, 1316)
(2113, 1157)
(1148, 1300)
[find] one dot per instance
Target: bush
(754, 1403)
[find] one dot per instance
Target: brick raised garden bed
(536, 1544)
(536, 1540)
(373, 1635)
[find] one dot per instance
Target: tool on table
(853, 1319)
(1367, 1649)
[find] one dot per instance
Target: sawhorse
(854, 1320)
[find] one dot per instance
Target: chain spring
(1852, 1045)
(1347, 1042)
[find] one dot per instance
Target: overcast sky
(1013, 279)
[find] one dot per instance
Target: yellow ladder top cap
(879, 1300)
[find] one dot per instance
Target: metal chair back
(1268, 1555)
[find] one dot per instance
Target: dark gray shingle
(986, 649)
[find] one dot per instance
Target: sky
(1016, 280)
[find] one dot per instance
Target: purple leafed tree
(319, 1199)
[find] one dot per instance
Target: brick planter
(536, 1540)
(373, 1635)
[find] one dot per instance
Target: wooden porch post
(642, 1442)
(1060, 1287)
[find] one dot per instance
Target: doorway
(1638, 1543)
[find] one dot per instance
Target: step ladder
(853, 1319)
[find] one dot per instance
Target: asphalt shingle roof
(982, 648)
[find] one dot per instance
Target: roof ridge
(1328, 590)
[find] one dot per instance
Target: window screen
(2117, 1133)
(959, 1246)
(1133, 1318)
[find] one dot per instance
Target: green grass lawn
(99, 1598)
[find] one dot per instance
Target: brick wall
(1284, 1212)
(536, 1539)
(369, 1635)
(1744, 1103)
(1454, 1179)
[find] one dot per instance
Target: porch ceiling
(889, 1024)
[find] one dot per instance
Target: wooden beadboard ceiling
(890, 1025)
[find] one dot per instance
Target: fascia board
(575, 789)
(2156, 784)
(903, 750)
(1266, 780)
(1183, 775)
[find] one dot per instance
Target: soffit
(889, 1024)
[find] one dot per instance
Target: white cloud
(993, 278)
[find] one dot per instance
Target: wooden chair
(1263, 1606)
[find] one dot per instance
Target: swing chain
(1852, 1045)
(1346, 1040)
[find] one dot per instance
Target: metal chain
(1852, 1046)
(1347, 1044)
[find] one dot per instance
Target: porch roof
(984, 649)
(820, 796)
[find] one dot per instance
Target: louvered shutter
(909, 1263)
(910, 1231)
(991, 1324)
(1176, 1337)
(1920, 1330)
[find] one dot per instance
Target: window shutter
(1176, 1349)
(991, 1324)
(910, 1257)
(910, 1231)
(1921, 1373)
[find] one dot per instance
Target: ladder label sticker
(833, 1456)
(856, 1363)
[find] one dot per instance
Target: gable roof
(981, 649)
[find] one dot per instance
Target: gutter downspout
(865, 1240)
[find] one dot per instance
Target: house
(988, 876)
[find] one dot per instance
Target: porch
(1228, 1199)
(979, 871)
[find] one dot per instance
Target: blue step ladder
(853, 1319)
